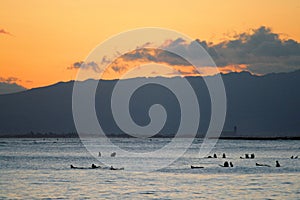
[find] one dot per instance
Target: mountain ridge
(260, 106)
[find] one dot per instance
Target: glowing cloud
(5, 32)
(260, 52)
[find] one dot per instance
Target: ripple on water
(147, 192)
(287, 183)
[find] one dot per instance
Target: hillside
(260, 106)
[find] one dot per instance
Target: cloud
(154, 55)
(89, 65)
(259, 51)
(117, 68)
(262, 51)
(190, 51)
(9, 80)
(105, 60)
(5, 32)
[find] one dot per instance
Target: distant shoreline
(122, 136)
(259, 138)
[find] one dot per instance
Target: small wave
(147, 192)
(109, 181)
(287, 183)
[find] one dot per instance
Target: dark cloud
(83, 65)
(9, 80)
(187, 73)
(178, 52)
(117, 68)
(5, 32)
(262, 51)
(142, 54)
(105, 60)
(154, 55)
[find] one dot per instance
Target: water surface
(40, 168)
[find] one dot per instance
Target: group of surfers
(97, 167)
(230, 164)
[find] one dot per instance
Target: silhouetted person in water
(252, 156)
(113, 154)
(226, 164)
(196, 167)
(99, 154)
(258, 164)
(94, 166)
(223, 156)
(215, 155)
(277, 163)
(73, 167)
(113, 168)
(246, 155)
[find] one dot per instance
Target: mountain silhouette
(259, 106)
(7, 88)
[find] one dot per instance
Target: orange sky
(48, 36)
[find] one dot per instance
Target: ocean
(39, 168)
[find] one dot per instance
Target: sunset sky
(41, 40)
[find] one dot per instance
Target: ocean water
(36, 168)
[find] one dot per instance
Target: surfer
(113, 168)
(196, 167)
(294, 157)
(73, 167)
(277, 164)
(214, 156)
(113, 154)
(265, 165)
(226, 164)
(94, 166)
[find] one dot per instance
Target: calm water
(40, 168)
